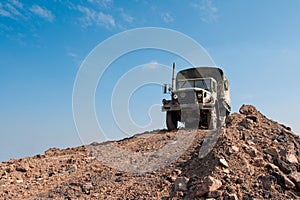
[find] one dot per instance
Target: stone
(282, 166)
(292, 158)
(208, 184)
(23, 167)
(214, 194)
(253, 118)
(239, 181)
(268, 182)
(19, 181)
(271, 151)
(235, 148)
(248, 197)
(283, 180)
(223, 162)
(246, 123)
(180, 184)
(250, 150)
(248, 110)
(272, 167)
(232, 197)
(71, 169)
(87, 187)
(178, 171)
(295, 177)
(259, 162)
(267, 194)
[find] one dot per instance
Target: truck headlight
(199, 95)
(175, 96)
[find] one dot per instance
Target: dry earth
(253, 158)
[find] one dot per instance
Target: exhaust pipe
(173, 76)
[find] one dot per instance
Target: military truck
(200, 99)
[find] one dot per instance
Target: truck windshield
(203, 83)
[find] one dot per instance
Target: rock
(250, 150)
(118, 179)
(272, 151)
(281, 139)
(283, 181)
(223, 162)
(259, 162)
(288, 183)
(248, 197)
(282, 166)
(214, 194)
(208, 184)
(87, 187)
(22, 167)
(268, 182)
(246, 123)
(232, 197)
(272, 167)
(180, 184)
(239, 181)
(295, 177)
(71, 169)
(178, 171)
(267, 194)
(292, 158)
(52, 151)
(248, 110)
(253, 118)
(229, 189)
(235, 148)
(19, 181)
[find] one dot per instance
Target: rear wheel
(172, 120)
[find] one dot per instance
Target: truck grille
(187, 97)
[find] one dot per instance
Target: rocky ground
(253, 158)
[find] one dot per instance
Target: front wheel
(171, 120)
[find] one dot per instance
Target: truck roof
(202, 72)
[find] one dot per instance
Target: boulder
(208, 184)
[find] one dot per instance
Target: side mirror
(167, 88)
(226, 85)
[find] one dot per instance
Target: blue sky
(43, 43)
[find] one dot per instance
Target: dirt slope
(253, 158)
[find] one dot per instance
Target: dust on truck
(201, 98)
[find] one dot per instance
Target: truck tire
(171, 120)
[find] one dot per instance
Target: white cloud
(167, 17)
(42, 12)
(71, 54)
(92, 17)
(208, 11)
(127, 18)
(13, 10)
(102, 3)
(10, 10)
(17, 3)
(4, 12)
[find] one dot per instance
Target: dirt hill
(252, 157)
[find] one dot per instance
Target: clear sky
(43, 44)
